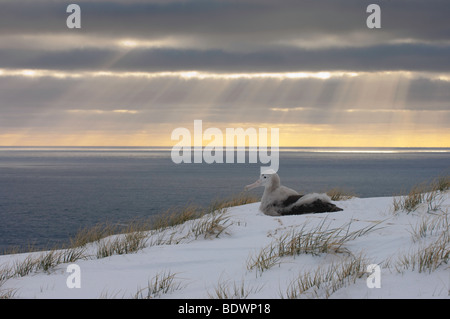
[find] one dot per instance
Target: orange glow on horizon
(289, 136)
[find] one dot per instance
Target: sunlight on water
(363, 150)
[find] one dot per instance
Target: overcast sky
(136, 70)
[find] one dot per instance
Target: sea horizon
(350, 149)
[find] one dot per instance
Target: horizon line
(337, 149)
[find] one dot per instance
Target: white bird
(281, 200)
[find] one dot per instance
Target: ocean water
(48, 194)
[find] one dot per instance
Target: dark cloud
(203, 18)
(412, 57)
(230, 36)
(206, 18)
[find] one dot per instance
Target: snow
(200, 267)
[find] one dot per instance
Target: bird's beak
(254, 185)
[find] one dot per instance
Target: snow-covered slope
(366, 232)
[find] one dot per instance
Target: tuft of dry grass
(323, 281)
(410, 202)
(441, 183)
(7, 293)
(429, 255)
(162, 283)
(319, 240)
(93, 234)
(211, 225)
(236, 200)
(337, 194)
(121, 244)
(5, 274)
(232, 290)
(430, 225)
(265, 259)
(429, 194)
(176, 216)
(427, 258)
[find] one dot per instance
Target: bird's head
(267, 178)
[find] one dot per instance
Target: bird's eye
(265, 176)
